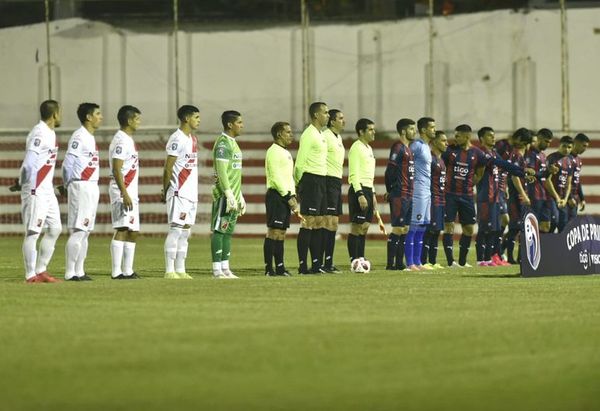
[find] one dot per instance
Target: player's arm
(519, 187)
(568, 190)
(509, 167)
(118, 176)
(28, 174)
(478, 175)
(552, 190)
(223, 183)
(167, 173)
(301, 155)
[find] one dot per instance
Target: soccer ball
(360, 265)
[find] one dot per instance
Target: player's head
(129, 116)
(89, 114)
(487, 136)
(189, 116)
(426, 127)
(282, 133)
(544, 138)
(566, 145)
(440, 141)
(580, 143)
(365, 129)
(319, 114)
(50, 111)
(406, 128)
(462, 133)
(336, 120)
(521, 137)
(232, 122)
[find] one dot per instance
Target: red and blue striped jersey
(438, 181)
(487, 187)
(576, 191)
(400, 170)
(503, 148)
(537, 160)
(517, 159)
(565, 169)
(460, 168)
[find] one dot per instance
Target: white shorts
(181, 211)
(40, 211)
(121, 218)
(83, 203)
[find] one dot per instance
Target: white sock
(128, 254)
(182, 247)
(72, 249)
(171, 248)
(225, 265)
(30, 253)
(116, 252)
(216, 267)
(82, 255)
(47, 249)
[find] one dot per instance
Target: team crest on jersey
(224, 225)
(182, 216)
(221, 152)
(174, 146)
(86, 222)
(237, 156)
(39, 222)
(75, 144)
(37, 142)
(118, 150)
(419, 217)
(131, 220)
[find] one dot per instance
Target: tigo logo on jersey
(532, 240)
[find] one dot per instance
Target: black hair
(84, 110)
(314, 107)
(185, 111)
(523, 135)
(566, 140)
(581, 138)
(403, 124)
(463, 128)
(278, 128)
(126, 113)
(483, 131)
(48, 108)
(545, 133)
(423, 122)
(229, 116)
(362, 124)
(332, 116)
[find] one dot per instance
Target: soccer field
(469, 339)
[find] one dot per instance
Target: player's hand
(561, 203)
(386, 196)
(163, 196)
(242, 204)
(15, 187)
(62, 190)
(231, 202)
(127, 203)
(293, 203)
(380, 223)
(572, 202)
(582, 205)
(362, 202)
(529, 179)
(553, 169)
(525, 200)
(529, 171)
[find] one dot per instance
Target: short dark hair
(483, 131)
(314, 107)
(545, 133)
(332, 116)
(581, 138)
(278, 127)
(423, 122)
(463, 128)
(566, 140)
(84, 109)
(362, 124)
(523, 135)
(185, 111)
(48, 108)
(126, 113)
(229, 116)
(438, 134)
(403, 124)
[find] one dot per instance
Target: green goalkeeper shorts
(222, 221)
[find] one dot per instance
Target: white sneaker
(219, 274)
(228, 274)
(455, 265)
(467, 265)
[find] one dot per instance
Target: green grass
(472, 339)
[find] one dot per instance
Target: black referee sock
(316, 249)
(278, 253)
(303, 244)
(352, 246)
(464, 244)
(392, 245)
(400, 252)
(448, 243)
(268, 254)
(361, 245)
(433, 246)
(329, 242)
(426, 246)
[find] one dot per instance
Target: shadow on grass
(516, 275)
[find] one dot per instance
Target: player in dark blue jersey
(399, 183)
(559, 185)
(439, 144)
(577, 200)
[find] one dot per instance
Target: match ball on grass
(360, 265)
(366, 265)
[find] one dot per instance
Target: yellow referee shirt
(312, 154)
(361, 166)
(279, 168)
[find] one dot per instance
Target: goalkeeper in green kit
(228, 201)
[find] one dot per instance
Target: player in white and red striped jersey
(123, 193)
(81, 172)
(180, 190)
(39, 206)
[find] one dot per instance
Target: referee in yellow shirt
(361, 195)
(280, 198)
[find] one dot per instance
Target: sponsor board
(574, 251)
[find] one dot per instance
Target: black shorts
(462, 205)
(400, 210)
(278, 210)
(357, 215)
(311, 191)
(334, 195)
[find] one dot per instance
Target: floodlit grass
(469, 339)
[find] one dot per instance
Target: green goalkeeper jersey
(227, 164)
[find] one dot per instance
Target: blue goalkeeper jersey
(422, 157)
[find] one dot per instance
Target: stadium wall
(500, 68)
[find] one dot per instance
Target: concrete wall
(500, 69)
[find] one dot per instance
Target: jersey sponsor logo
(118, 150)
(37, 142)
(236, 166)
(237, 156)
(75, 144)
